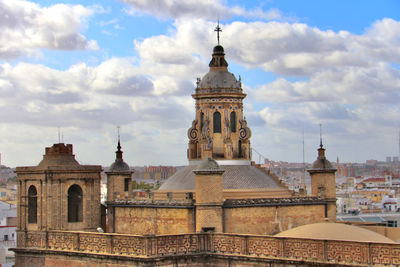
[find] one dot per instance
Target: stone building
(58, 194)
(220, 210)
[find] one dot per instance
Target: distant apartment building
(5, 174)
(158, 172)
(8, 235)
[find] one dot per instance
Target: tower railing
(260, 156)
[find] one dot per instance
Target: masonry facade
(58, 194)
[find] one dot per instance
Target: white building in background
(390, 204)
(8, 237)
(8, 234)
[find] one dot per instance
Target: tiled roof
(374, 179)
(234, 177)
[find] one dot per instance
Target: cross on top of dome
(218, 29)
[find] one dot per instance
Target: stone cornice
(150, 204)
(289, 201)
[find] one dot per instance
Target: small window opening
(75, 209)
(32, 204)
(126, 184)
(217, 122)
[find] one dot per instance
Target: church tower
(58, 194)
(219, 130)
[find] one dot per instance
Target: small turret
(323, 182)
(119, 177)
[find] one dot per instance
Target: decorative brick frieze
(129, 245)
(291, 250)
(304, 249)
(264, 246)
(347, 252)
(385, 254)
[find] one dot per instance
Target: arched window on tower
(233, 122)
(32, 204)
(217, 122)
(75, 209)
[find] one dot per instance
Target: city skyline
(86, 67)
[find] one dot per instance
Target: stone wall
(63, 248)
(271, 220)
(52, 198)
(153, 220)
(271, 216)
(251, 216)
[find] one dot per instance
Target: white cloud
(26, 27)
(348, 81)
(348, 84)
(206, 9)
(286, 49)
(176, 9)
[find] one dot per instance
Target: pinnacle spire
(119, 151)
(218, 29)
(320, 135)
(321, 149)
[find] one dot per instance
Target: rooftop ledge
(224, 162)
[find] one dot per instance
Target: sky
(75, 70)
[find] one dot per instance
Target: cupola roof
(119, 165)
(218, 76)
(321, 164)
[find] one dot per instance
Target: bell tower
(58, 194)
(219, 130)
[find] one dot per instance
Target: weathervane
(218, 30)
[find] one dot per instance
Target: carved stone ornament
(205, 131)
(193, 132)
(244, 131)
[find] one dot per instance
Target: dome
(234, 177)
(208, 164)
(219, 79)
(322, 163)
(119, 166)
(218, 50)
(335, 231)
